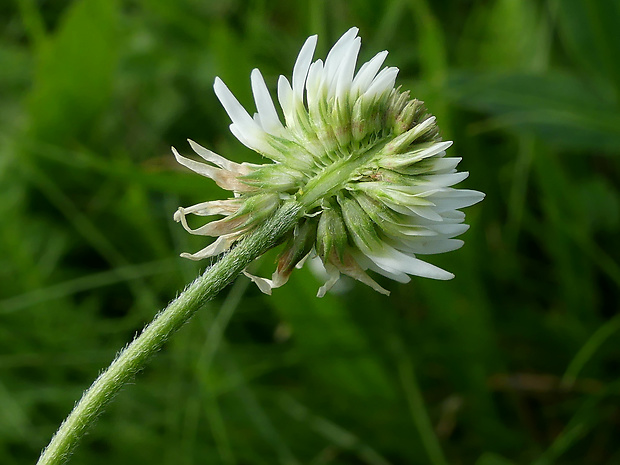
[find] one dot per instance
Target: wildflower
(364, 159)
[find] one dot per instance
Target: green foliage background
(516, 359)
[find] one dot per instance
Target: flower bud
(331, 233)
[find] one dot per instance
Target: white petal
(435, 149)
(336, 55)
(213, 207)
(453, 216)
(454, 199)
(249, 139)
(445, 165)
(200, 168)
(392, 259)
(220, 245)
(285, 96)
(334, 276)
(238, 115)
(382, 83)
(313, 84)
(212, 228)
(302, 64)
(315, 74)
(347, 68)
(213, 157)
(450, 229)
(258, 144)
(302, 262)
(444, 180)
(241, 137)
(427, 150)
(430, 246)
(367, 73)
(265, 285)
(391, 273)
(425, 212)
(269, 118)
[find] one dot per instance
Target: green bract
(364, 159)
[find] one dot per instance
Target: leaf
(75, 70)
(557, 107)
(517, 36)
(589, 30)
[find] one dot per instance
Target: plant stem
(134, 357)
(418, 411)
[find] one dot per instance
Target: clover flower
(364, 159)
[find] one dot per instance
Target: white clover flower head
(364, 159)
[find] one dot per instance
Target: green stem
(420, 416)
(134, 357)
(334, 177)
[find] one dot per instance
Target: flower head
(364, 159)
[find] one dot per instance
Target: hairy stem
(134, 357)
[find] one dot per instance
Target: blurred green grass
(516, 360)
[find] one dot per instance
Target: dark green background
(517, 358)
